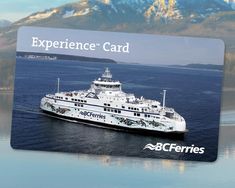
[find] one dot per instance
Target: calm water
(77, 170)
(194, 94)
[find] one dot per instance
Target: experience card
(118, 94)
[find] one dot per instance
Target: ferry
(106, 105)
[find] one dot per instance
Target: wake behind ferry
(106, 105)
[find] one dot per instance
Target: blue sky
(14, 10)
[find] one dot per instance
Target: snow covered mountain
(116, 11)
(158, 16)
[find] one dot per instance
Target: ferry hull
(172, 134)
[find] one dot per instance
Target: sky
(14, 10)
(143, 49)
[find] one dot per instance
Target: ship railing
(112, 81)
(50, 95)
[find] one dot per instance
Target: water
(194, 94)
(70, 170)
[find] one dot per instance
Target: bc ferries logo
(172, 147)
(150, 147)
(91, 114)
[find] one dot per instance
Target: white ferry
(106, 105)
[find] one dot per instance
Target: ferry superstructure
(106, 105)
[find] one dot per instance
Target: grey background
(144, 48)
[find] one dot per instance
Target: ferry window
(148, 115)
(85, 101)
(105, 104)
(145, 115)
(134, 108)
(72, 99)
(115, 111)
(81, 105)
(108, 110)
(123, 106)
(104, 109)
(119, 111)
(75, 104)
(134, 114)
(108, 104)
(66, 98)
(129, 108)
(81, 100)
(138, 114)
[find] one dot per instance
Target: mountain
(116, 11)
(164, 16)
(5, 23)
(203, 18)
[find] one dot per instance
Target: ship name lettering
(91, 114)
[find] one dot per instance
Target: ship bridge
(105, 83)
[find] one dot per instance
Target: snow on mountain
(148, 11)
(41, 15)
(163, 9)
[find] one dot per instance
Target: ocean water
(21, 168)
(195, 94)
